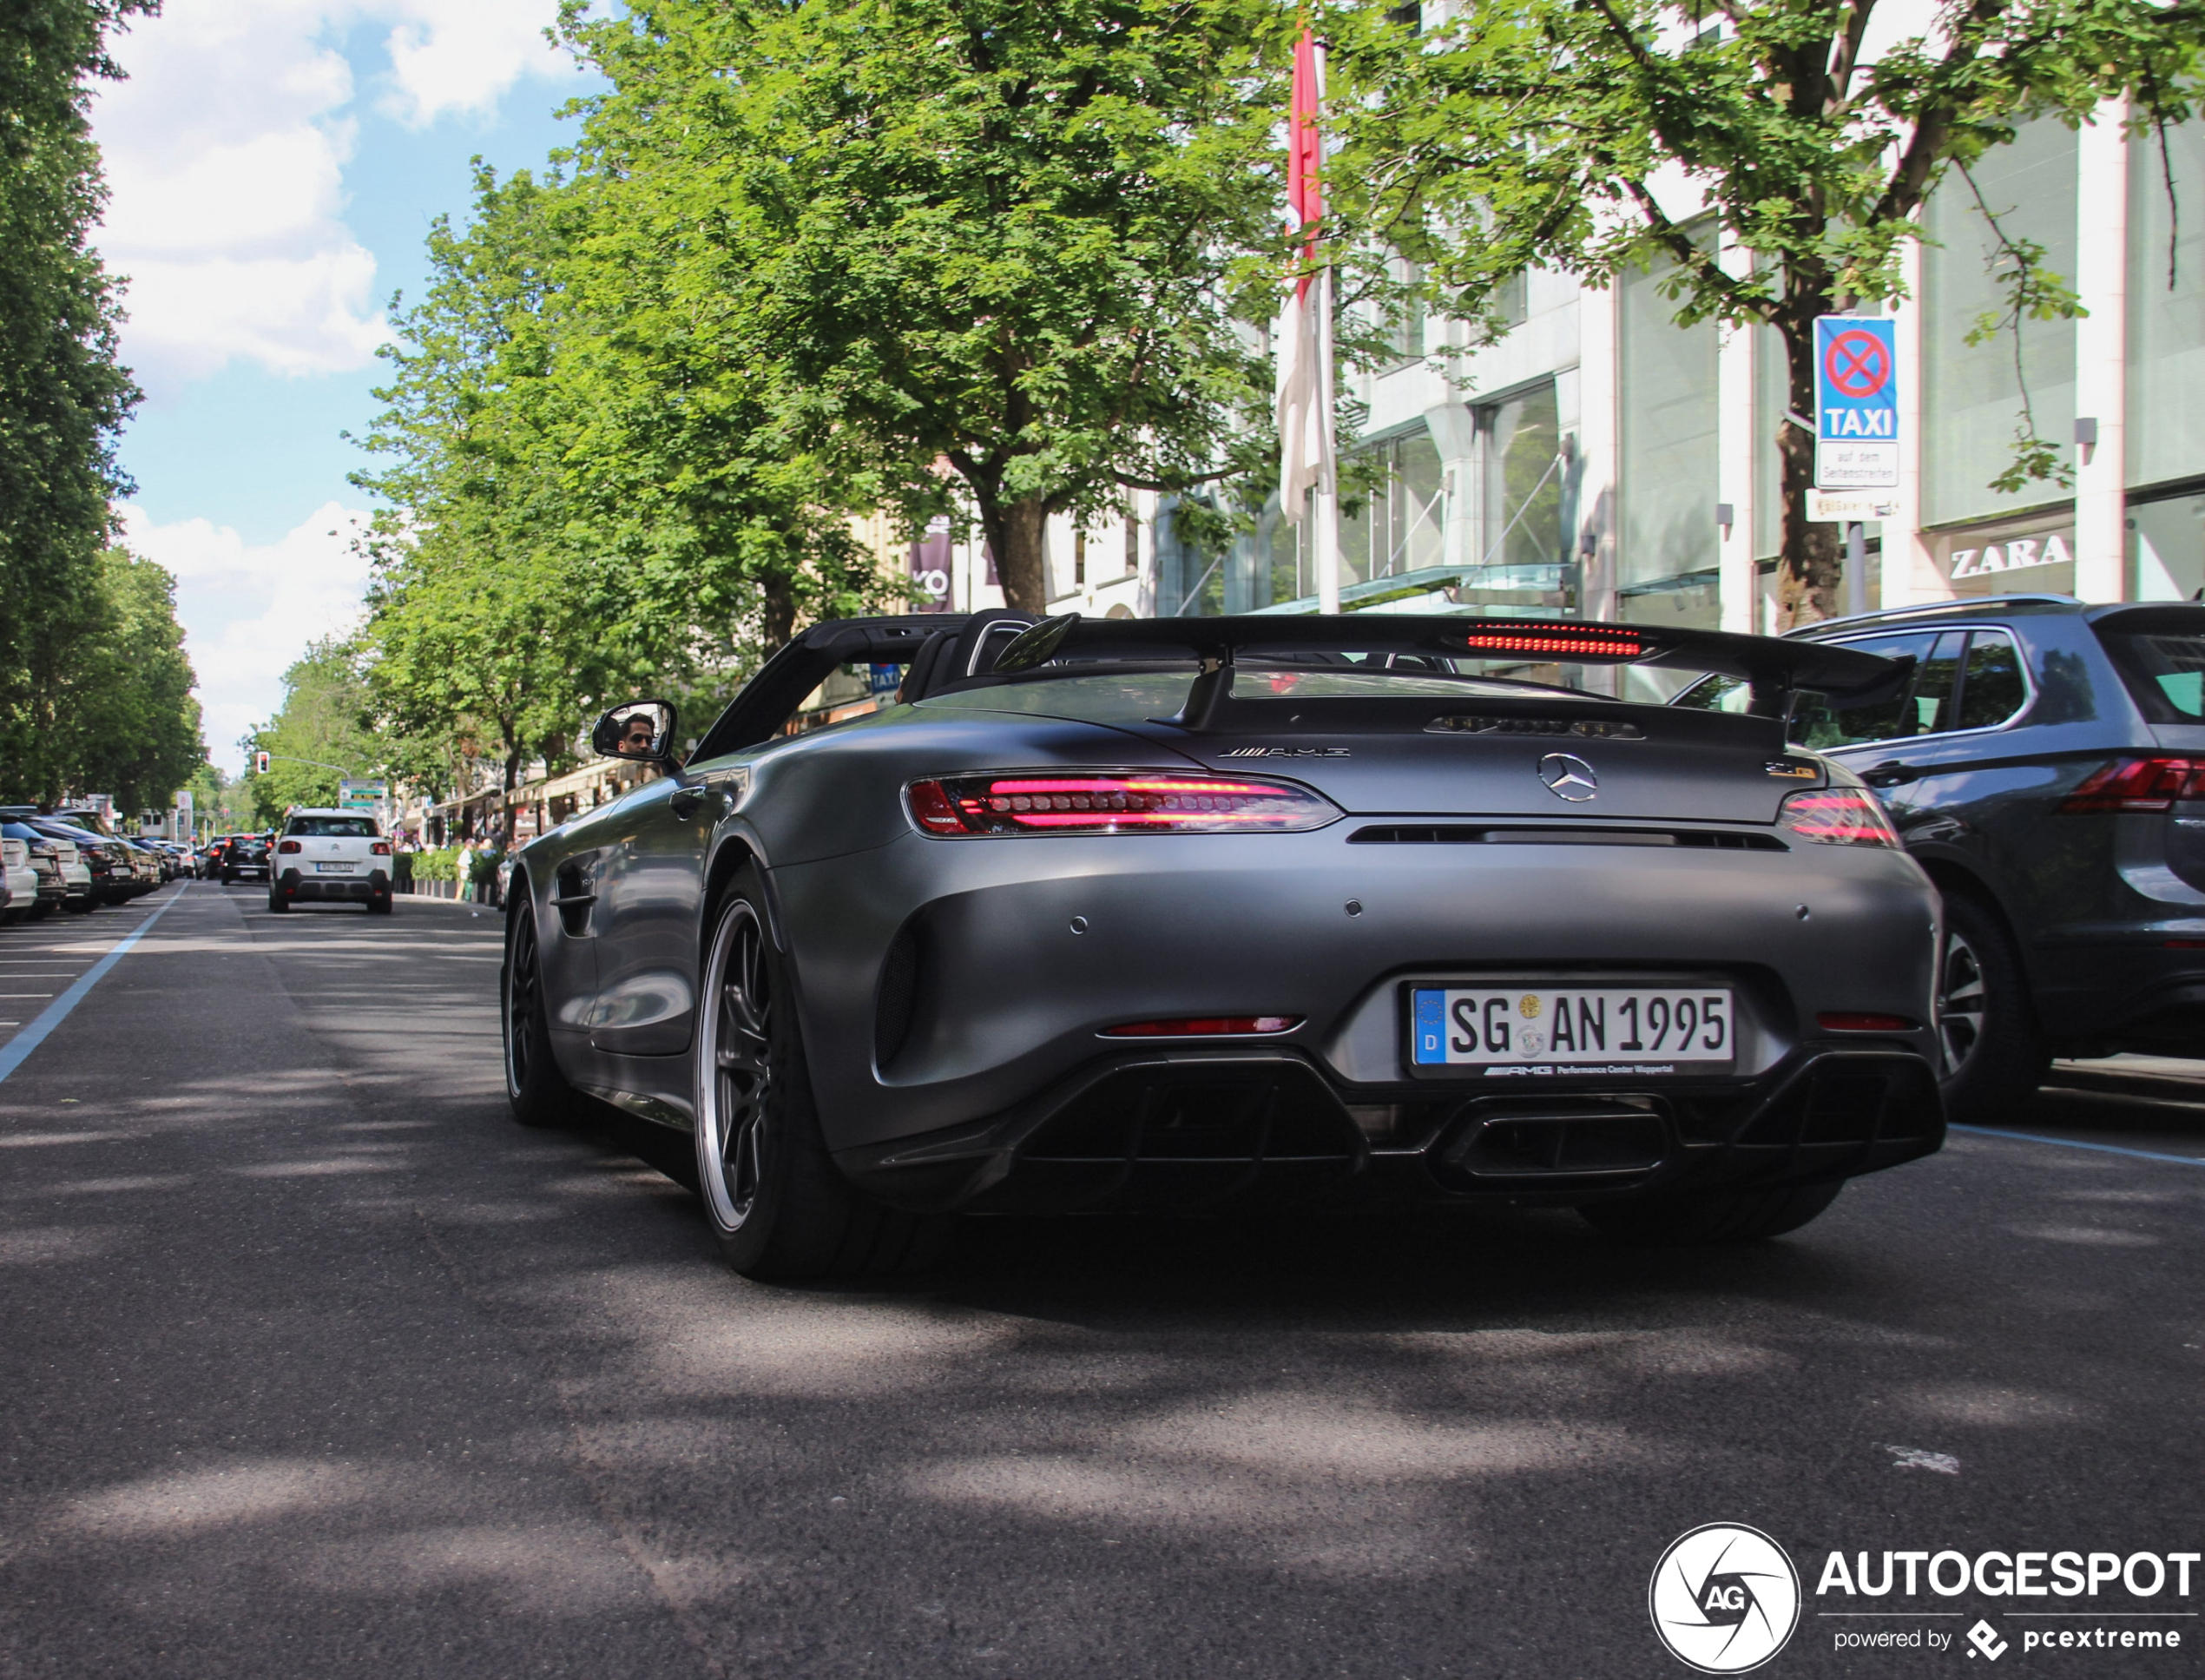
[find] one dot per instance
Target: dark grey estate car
(1187, 914)
(2045, 763)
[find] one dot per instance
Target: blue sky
(274, 165)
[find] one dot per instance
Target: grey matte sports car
(1191, 915)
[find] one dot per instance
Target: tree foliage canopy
(1585, 134)
(999, 234)
(94, 690)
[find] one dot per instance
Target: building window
(2166, 436)
(1971, 397)
(1520, 461)
(1668, 476)
(2167, 548)
(1401, 524)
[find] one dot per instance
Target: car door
(650, 885)
(1952, 766)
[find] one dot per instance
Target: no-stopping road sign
(1856, 403)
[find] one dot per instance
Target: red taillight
(1841, 1021)
(1559, 641)
(1113, 802)
(1837, 816)
(381, 849)
(2139, 784)
(1206, 1026)
(290, 846)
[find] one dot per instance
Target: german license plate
(1531, 1030)
(333, 868)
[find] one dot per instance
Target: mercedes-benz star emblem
(1568, 776)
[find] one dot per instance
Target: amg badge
(1285, 752)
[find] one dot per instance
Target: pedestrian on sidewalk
(402, 864)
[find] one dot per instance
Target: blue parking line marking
(18, 1049)
(2063, 1142)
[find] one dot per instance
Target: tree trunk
(779, 617)
(1018, 534)
(1807, 576)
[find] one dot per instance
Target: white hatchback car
(331, 854)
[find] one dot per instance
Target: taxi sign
(1856, 403)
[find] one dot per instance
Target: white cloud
(248, 610)
(463, 56)
(226, 152)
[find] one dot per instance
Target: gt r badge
(1568, 776)
(1287, 752)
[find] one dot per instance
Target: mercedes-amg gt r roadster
(1199, 914)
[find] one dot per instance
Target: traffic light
(259, 764)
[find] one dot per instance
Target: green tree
(320, 733)
(61, 395)
(125, 720)
(1000, 234)
(1556, 132)
(489, 612)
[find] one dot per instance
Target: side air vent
(896, 1002)
(1579, 728)
(1698, 839)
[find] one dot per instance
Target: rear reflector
(1206, 1026)
(2138, 784)
(1837, 816)
(1112, 802)
(1841, 1022)
(1559, 641)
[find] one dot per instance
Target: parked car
(63, 881)
(2044, 762)
(18, 881)
(105, 858)
(1192, 913)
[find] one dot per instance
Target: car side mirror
(642, 730)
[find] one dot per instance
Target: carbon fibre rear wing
(1775, 669)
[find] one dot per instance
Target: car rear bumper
(352, 888)
(1193, 1131)
(2138, 994)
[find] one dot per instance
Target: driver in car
(641, 731)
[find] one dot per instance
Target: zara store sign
(2037, 555)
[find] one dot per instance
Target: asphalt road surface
(312, 1363)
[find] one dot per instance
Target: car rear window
(2165, 672)
(333, 827)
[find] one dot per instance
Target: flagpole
(1326, 495)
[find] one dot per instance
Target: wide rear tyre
(1711, 1215)
(277, 902)
(379, 906)
(536, 1091)
(778, 1205)
(1995, 1053)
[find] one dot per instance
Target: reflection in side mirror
(642, 730)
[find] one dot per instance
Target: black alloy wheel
(778, 1205)
(1994, 1052)
(740, 1067)
(536, 1091)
